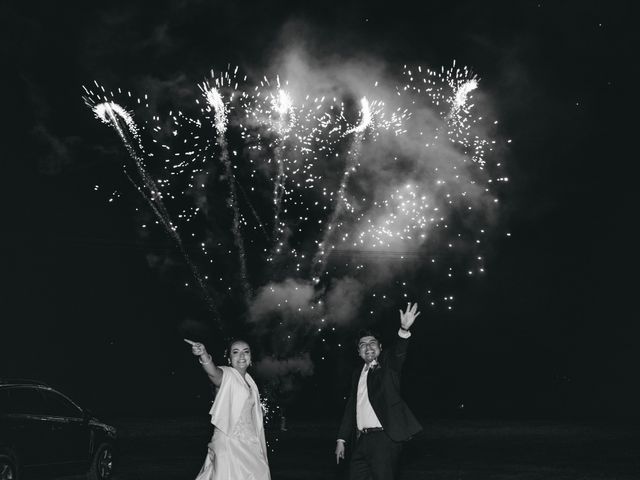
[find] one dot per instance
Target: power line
(157, 246)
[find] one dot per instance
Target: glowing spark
(463, 91)
(214, 99)
(283, 104)
(107, 112)
(366, 117)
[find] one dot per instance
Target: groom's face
(369, 348)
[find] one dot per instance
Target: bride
(237, 450)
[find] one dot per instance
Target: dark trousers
(374, 457)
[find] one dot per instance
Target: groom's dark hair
(366, 332)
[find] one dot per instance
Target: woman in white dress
(238, 449)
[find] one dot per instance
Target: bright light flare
(107, 112)
(215, 101)
(366, 117)
(463, 92)
(283, 104)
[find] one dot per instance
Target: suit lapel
(373, 381)
(355, 379)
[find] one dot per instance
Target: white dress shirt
(365, 416)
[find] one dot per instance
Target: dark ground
(453, 449)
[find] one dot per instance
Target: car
(44, 432)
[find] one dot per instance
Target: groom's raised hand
(407, 318)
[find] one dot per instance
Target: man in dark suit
(376, 421)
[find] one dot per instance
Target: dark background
(549, 331)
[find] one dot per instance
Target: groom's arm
(345, 431)
(398, 353)
(399, 350)
(348, 419)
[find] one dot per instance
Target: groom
(376, 420)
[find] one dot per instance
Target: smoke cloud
(291, 299)
(272, 367)
(343, 300)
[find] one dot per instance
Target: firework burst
(408, 175)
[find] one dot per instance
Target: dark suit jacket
(383, 384)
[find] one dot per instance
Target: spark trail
(342, 202)
(282, 107)
(215, 101)
(114, 115)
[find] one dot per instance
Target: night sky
(97, 305)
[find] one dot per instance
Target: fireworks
(366, 118)
(404, 217)
(113, 115)
(214, 99)
(304, 176)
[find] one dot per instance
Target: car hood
(95, 423)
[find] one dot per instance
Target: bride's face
(240, 356)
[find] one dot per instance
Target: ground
(174, 448)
